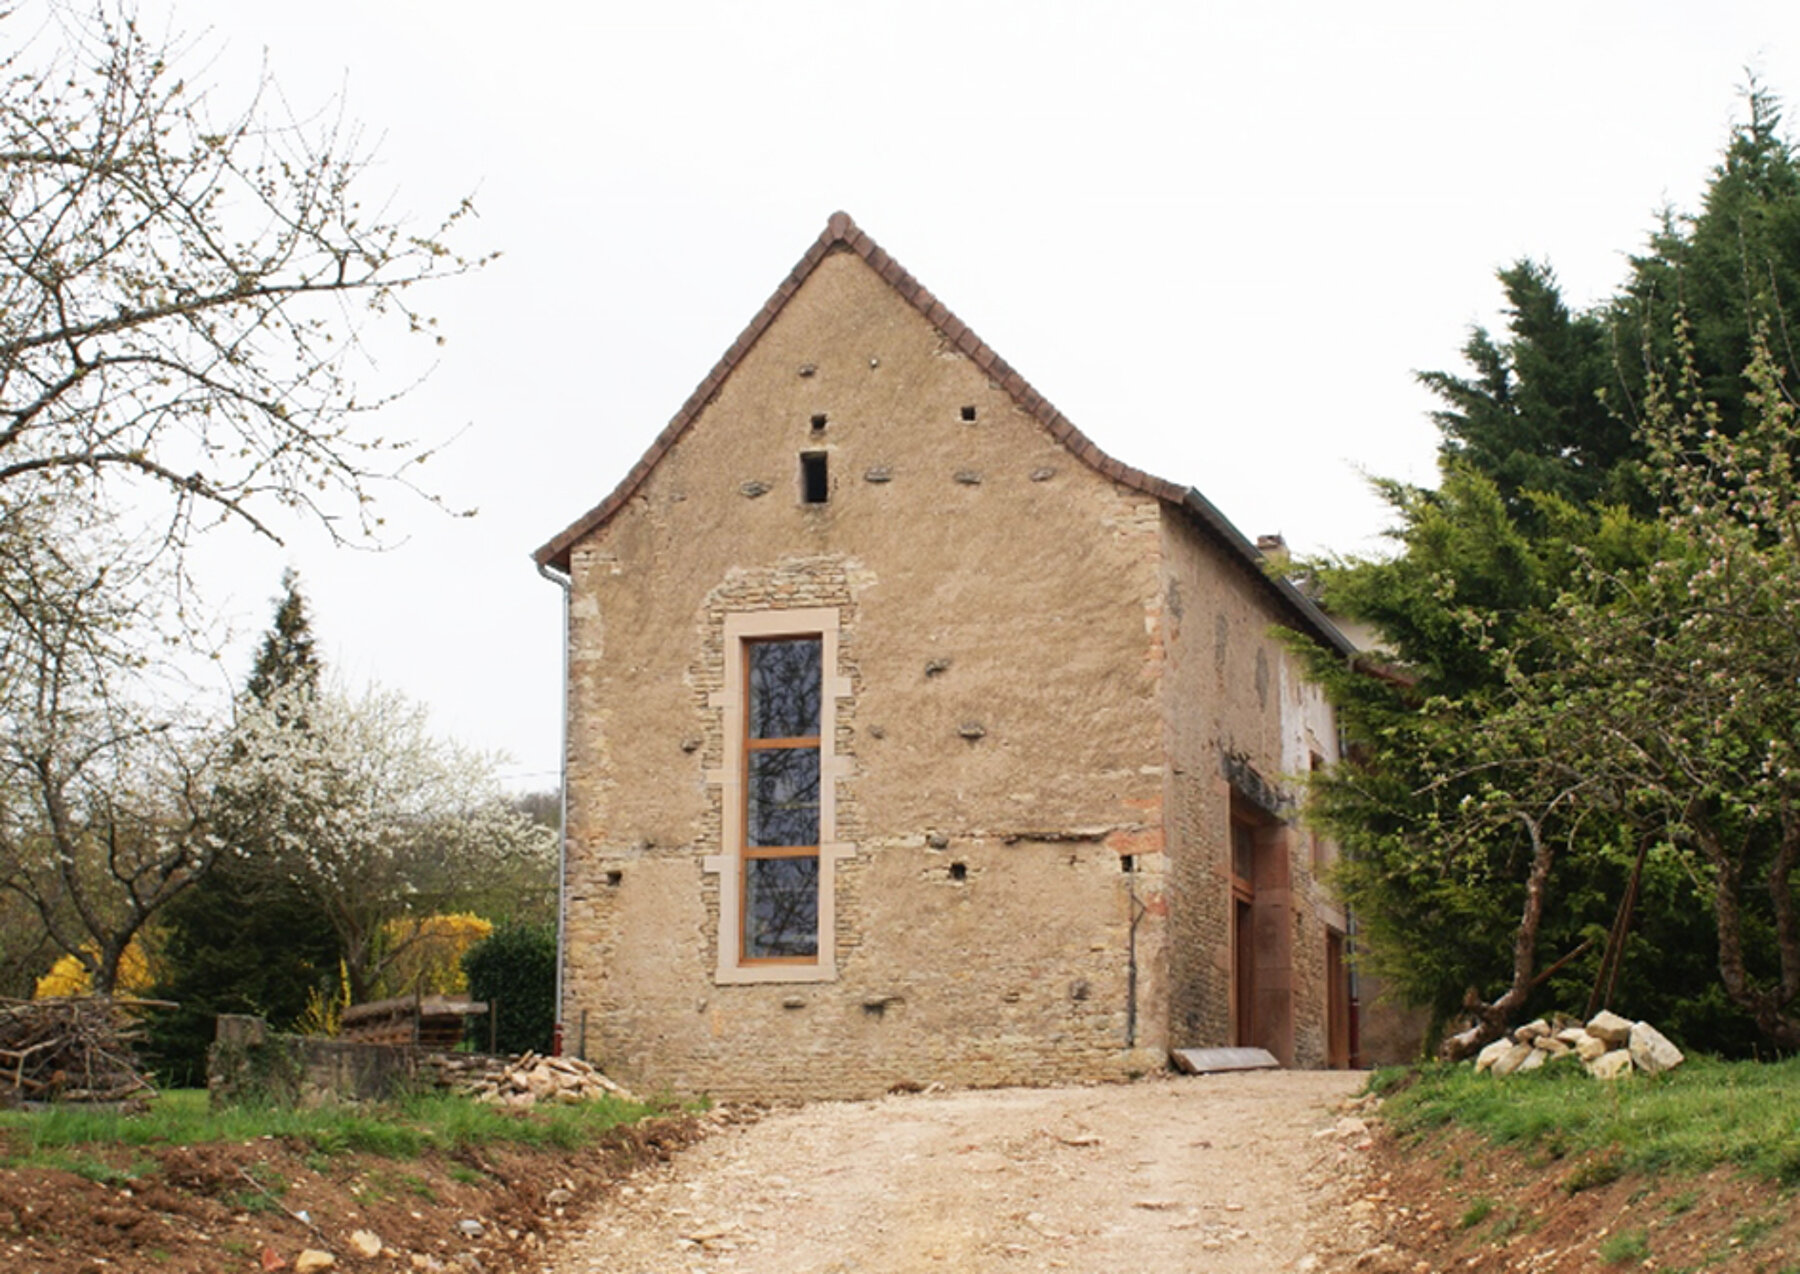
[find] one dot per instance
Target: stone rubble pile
(528, 1079)
(1609, 1047)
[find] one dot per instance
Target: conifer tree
(1489, 870)
(246, 938)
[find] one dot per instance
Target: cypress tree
(245, 939)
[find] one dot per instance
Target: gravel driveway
(1244, 1172)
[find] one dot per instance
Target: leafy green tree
(1488, 847)
(1554, 405)
(1466, 853)
(1720, 276)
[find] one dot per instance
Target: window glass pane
(784, 797)
(781, 907)
(784, 688)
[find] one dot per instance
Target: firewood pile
(68, 1049)
(530, 1079)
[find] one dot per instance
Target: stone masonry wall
(1237, 712)
(996, 602)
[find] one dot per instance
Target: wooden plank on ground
(1211, 1061)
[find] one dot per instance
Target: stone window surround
(740, 627)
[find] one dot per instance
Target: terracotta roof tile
(842, 234)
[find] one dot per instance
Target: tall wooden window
(778, 846)
(780, 881)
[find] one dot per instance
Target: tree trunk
(1771, 1010)
(1492, 1019)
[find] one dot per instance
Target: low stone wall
(249, 1063)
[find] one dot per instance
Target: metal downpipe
(562, 832)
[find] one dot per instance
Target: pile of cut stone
(1609, 1046)
(530, 1079)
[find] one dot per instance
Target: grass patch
(100, 1172)
(262, 1190)
(1705, 1115)
(1627, 1247)
(1507, 1224)
(1477, 1212)
(1599, 1170)
(399, 1130)
(383, 1186)
(1750, 1229)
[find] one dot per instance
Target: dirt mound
(209, 1208)
(1454, 1201)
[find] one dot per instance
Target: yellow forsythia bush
(426, 953)
(69, 976)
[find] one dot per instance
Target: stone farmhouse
(913, 739)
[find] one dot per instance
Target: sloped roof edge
(1312, 618)
(843, 234)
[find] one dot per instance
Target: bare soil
(257, 1206)
(1255, 1172)
(1243, 1172)
(1451, 1201)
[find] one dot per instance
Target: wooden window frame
(751, 746)
(742, 630)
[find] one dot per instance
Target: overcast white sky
(1220, 238)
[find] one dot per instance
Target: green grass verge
(399, 1130)
(1706, 1114)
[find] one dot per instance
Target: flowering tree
(182, 287)
(374, 816)
(1682, 680)
(104, 802)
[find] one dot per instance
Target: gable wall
(1237, 707)
(988, 585)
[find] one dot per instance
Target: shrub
(69, 976)
(514, 970)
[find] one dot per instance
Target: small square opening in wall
(968, 414)
(815, 483)
(819, 421)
